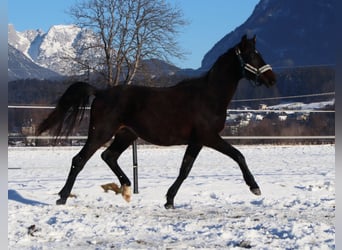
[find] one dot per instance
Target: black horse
(193, 112)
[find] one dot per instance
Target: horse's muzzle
(268, 78)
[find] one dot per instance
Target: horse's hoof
(169, 206)
(127, 193)
(255, 191)
(61, 201)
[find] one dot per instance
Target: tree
(128, 31)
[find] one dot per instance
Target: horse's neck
(224, 77)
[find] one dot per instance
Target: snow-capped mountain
(21, 67)
(289, 33)
(53, 49)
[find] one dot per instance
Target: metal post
(135, 167)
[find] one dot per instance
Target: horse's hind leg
(188, 160)
(78, 162)
(99, 133)
(217, 143)
(123, 139)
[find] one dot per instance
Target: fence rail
(80, 137)
(224, 137)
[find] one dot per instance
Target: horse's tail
(69, 110)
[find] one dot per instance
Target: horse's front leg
(188, 160)
(217, 143)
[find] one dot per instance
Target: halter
(247, 67)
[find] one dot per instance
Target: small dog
(124, 190)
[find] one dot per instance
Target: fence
(134, 151)
(31, 137)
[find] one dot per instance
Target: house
(262, 106)
(282, 117)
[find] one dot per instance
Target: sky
(209, 21)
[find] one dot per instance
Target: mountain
(52, 49)
(55, 48)
(289, 33)
(22, 40)
(20, 63)
(21, 67)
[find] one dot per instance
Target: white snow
(303, 106)
(214, 208)
(59, 39)
(54, 48)
(24, 41)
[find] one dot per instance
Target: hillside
(289, 33)
(21, 67)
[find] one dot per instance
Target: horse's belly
(164, 136)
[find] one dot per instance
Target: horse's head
(253, 65)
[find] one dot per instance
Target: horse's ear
(243, 41)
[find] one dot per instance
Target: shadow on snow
(15, 196)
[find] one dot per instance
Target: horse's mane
(191, 81)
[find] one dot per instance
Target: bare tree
(128, 31)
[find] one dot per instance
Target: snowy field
(214, 208)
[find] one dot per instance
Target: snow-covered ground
(214, 208)
(303, 106)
